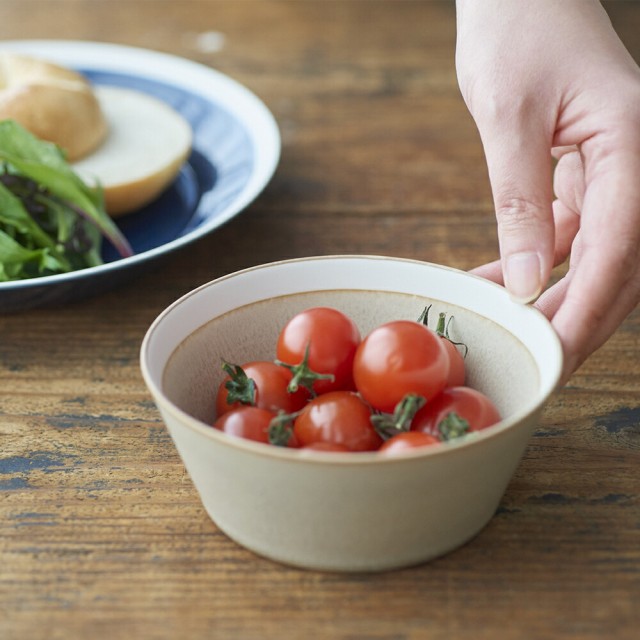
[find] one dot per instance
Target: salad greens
(50, 220)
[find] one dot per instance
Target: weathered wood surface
(101, 532)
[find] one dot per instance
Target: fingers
(520, 174)
(595, 220)
(549, 302)
(569, 186)
(568, 179)
(491, 271)
(604, 282)
(567, 224)
(558, 152)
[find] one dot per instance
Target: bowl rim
(292, 455)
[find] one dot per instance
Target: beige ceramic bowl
(348, 511)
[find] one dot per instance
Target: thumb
(520, 171)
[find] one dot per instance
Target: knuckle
(498, 108)
(514, 212)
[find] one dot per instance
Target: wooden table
(102, 533)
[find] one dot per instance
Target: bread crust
(124, 198)
(54, 103)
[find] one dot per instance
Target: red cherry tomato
(457, 410)
(246, 422)
(258, 424)
(262, 384)
(457, 370)
(399, 358)
(407, 441)
(337, 417)
(328, 339)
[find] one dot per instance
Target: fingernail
(522, 276)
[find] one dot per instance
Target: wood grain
(101, 532)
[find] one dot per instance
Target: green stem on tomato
(453, 426)
(280, 429)
(442, 329)
(424, 316)
(240, 387)
(388, 425)
(303, 375)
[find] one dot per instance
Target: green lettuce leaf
(18, 262)
(51, 221)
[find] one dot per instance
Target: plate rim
(240, 102)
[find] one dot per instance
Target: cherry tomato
(399, 358)
(337, 417)
(324, 339)
(261, 384)
(258, 424)
(457, 410)
(457, 370)
(407, 441)
(246, 422)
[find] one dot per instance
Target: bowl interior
(498, 362)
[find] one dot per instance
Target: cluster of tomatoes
(401, 387)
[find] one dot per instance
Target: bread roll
(147, 144)
(54, 103)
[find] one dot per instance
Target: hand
(549, 77)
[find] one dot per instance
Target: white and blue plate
(236, 148)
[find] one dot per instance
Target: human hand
(549, 77)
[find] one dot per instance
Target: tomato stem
(452, 426)
(303, 375)
(280, 430)
(424, 316)
(388, 425)
(240, 388)
(442, 329)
